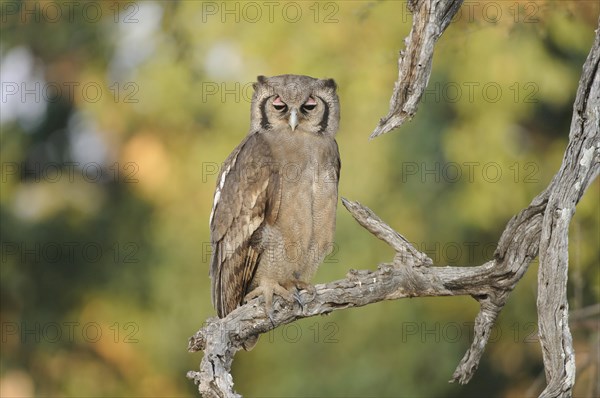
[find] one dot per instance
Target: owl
(273, 216)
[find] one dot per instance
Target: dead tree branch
(541, 227)
(580, 166)
(430, 20)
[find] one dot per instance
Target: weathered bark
(541, 227)
(430, 20)
(580, 166)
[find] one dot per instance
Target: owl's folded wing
(248, 193)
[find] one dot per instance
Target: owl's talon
(298, 299)
(267, 289)
(310, 289)
(270, 315)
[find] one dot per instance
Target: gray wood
(580, 166)
(430, 20)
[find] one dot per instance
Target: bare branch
(430, 20)
(377, 227)
(581, 164)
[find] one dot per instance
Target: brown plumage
(273, 217)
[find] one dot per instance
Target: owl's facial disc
(294, 113)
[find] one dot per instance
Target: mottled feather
(247, 194)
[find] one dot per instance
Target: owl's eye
(309, 105)
(279, 105)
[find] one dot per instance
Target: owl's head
(295, 103)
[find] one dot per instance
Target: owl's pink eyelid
(278, 102)
(310, 101)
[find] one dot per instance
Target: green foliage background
(175, 82)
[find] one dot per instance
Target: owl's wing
(247, 195)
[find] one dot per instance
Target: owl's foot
(296, 286)
(268, 288)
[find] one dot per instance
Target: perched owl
(273, 216)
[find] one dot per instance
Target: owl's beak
(293, 119)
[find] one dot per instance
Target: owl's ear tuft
(260, 80)
(330, 83)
